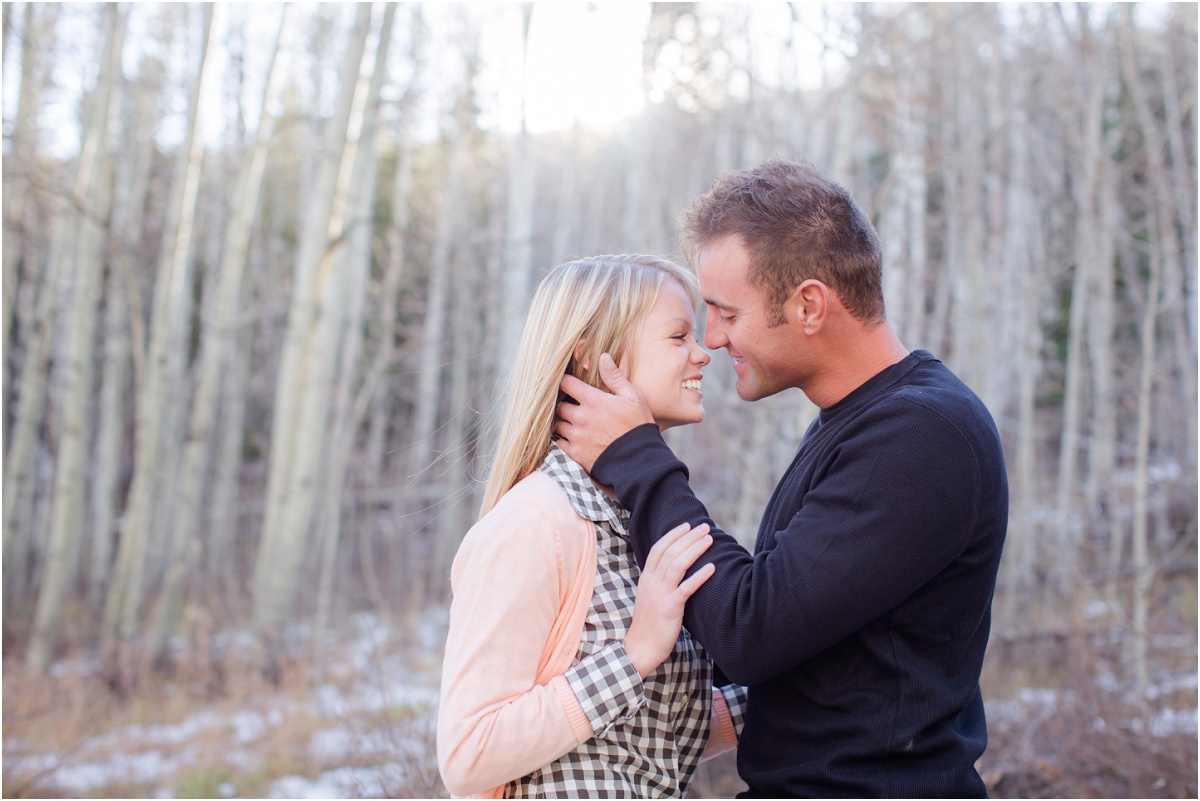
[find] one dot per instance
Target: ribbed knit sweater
(861, 619)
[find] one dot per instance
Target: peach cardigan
(522, 582)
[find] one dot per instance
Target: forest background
(265, 266)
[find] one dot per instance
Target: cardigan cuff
(575, 714)
(734, 696)
(724, 722)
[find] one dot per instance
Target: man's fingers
(579, 390)
(613, 378)
(566, 411)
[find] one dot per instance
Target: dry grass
(1062, 720)
(209, 729)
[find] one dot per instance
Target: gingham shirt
(649, 733)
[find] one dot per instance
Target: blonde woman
(567, 672)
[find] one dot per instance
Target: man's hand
(587, 429)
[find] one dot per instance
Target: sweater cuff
(575, 714)
(734, 696)
(724, 723)
(607, 686)
(629, 448)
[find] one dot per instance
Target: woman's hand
(658, 609)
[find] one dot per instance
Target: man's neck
(851, 361)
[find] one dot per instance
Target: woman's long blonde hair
(594, 305)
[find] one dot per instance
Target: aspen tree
(24, 502)
(70, 473)
(1162, 247)
(518, 240)
(126, 595)
(349, 406)
(300, 435)
(218, 338)
(22, 142)
(382, 402)
(133, 167)
(1068, 524)
(429, 374)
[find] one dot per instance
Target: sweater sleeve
(892, 506)
(494, 723)
(725, 725)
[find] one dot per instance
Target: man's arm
(889, 513)
(588, 426)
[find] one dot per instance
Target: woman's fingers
(694, 581)
(683, 552)
(679, 566)
(654, 558)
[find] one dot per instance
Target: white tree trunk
(518, 244)
(348, 409)
(21, 530)
(1068, 522)
(1160, 218)
(300, 435)
(123, 608)
(66, 523)
(218, 338)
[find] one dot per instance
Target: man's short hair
(796, 224)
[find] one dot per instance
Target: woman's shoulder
(536, 516)
(535, 500)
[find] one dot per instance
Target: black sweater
(861, 620)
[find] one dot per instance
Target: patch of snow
(1038, 696)
(368, 782)
(247, 726)
(1173, 721)
(75, 667)
(329, 745)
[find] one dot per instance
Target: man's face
(767, 359)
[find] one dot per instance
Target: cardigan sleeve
(722, 732)
(495, 724)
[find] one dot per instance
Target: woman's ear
(580, 357)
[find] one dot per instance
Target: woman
(556, 681)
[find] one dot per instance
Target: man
(860, 621)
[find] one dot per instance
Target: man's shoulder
(932, 386)
(928, 405)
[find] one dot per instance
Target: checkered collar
(586, 498)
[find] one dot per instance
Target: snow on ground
(375, 673)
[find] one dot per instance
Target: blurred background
(265, 266)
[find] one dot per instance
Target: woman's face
(667, 359)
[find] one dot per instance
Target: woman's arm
(728, 714)
(494, 723)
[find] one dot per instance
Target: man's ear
(809, 305)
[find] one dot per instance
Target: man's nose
(713, 337)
